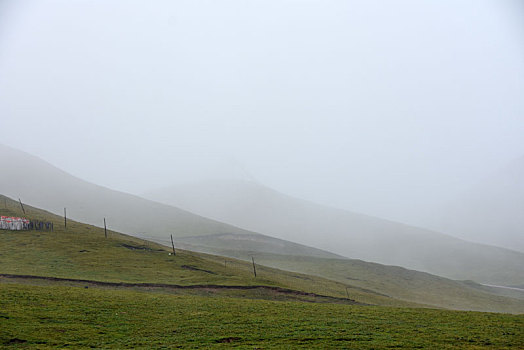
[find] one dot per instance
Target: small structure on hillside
(18, 224)
(14, 223)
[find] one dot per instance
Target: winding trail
(208, 288)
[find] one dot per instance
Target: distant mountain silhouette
(246, 208)
(492, 211)
(40, 184)
(257, 208)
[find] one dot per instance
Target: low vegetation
(76, 288)
(58, 317)
(401, 283)
(82, 252)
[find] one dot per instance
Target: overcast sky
(383, 107)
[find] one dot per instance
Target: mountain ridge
(43, 185)
(83, 254)
(490, 211)
(358, 236)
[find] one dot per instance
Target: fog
(386, 108)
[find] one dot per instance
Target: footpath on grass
(260, 291)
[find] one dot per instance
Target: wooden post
(347, 293)
(254, 267)
(105, 228)
(21, 205)
(173, 245)
(65, 219)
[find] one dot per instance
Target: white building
(13, 223)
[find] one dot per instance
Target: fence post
(254, 267)
(173, 245)
(21, 205)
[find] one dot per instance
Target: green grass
(399, 283)
(36, 313)
(82, 252)
(396, 282)
(59, 317)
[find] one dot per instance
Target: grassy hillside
(82, 252)
(58, 317)
(261, 209)
(393, 281)
(38, 182)
(45, 186)
(252, 243)
(349, 234)
(398, 282)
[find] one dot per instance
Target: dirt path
(257, 291)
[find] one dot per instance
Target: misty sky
(384, 107)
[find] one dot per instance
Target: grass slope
(41, 184)
(59, 317)
(82, 252)
(260, 209)
(393, 281)
(401, 283)
(252, 243)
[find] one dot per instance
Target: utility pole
(105, 228)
